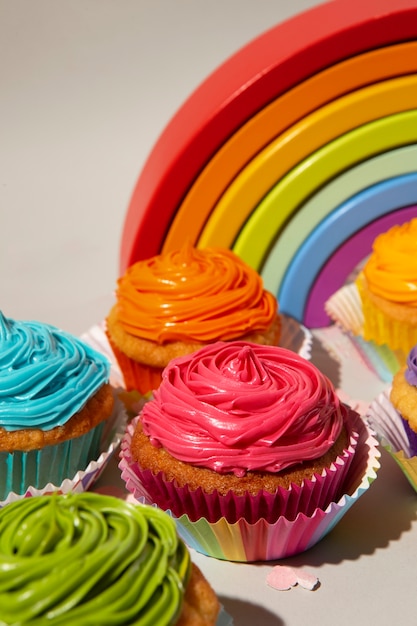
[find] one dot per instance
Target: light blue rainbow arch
(352, 252)
(313, 211)
(348, 218)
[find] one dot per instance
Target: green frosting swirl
(89, 559)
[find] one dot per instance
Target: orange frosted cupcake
(175, 303)
(387, 287)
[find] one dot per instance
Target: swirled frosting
(191, 294)
(391, 270)
(89, 559)
(411, 369)
(234, 407)
(46, 375)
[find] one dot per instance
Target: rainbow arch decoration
(295, 153)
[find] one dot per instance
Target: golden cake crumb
(157, 460)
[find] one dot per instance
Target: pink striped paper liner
(277, 537)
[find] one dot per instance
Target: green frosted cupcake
(91, 559)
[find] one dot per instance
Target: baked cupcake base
(267, 539)
(294, 336)
(142, 362)
(203, 493)
(34, 466)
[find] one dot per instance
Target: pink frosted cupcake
(244, 436)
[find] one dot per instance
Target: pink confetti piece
(283, 577)
(307, 580)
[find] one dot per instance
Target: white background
(86, 86)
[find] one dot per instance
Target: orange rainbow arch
(273, 120)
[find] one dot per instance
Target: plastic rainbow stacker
(295, 153)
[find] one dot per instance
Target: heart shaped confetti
(283, 577)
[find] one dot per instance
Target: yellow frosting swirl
(391, 270)
(193, 295)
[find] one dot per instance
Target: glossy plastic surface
(258, 73)
(317, 170)
(346, 220)
(247, 190)
(275, 118)
(345, 260)
(309, 215)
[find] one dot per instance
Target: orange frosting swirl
(391, 270)
(193, 295)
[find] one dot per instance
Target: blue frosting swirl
(411, 371)
(46, 375)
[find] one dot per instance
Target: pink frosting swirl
(238, 407)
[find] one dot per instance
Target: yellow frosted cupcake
(387, 287)
(175, 303)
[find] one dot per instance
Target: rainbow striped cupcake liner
(264, 541)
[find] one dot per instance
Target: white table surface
(86, 88)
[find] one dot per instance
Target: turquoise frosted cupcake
(55, 401)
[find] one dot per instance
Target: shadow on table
(382, 515)
(248, 614)
(326, 362)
